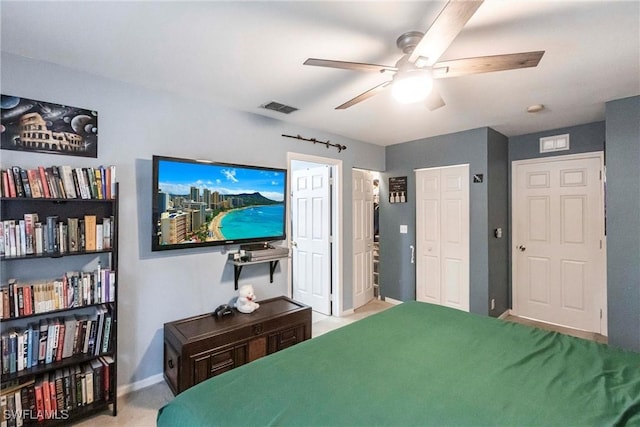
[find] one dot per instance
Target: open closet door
(362, 237)
(311, 237)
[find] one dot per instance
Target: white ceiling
(243, 54)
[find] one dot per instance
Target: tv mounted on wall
(202, 203)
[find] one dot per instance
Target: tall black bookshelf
(98, 304)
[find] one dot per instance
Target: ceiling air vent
(280, 108)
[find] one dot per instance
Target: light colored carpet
(561, 329)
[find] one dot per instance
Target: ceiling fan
(414, 72)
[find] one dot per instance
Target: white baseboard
(131, 387)
(392, 301)
(504, 315)
(346, 312)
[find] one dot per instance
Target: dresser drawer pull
(170, 363)
(257, 329)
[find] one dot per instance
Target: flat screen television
(202, 203)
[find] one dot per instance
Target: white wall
(134, 123)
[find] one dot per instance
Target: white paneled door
(442, 236)
(311, 234)
(362, 238)
(559, 251)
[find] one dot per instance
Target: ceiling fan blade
(486, 64)
(357, 66)
(434, 100)
(363, 96)
(443, 30)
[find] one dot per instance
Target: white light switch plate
(404, 229)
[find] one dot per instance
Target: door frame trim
(336, 226)
(602, 297)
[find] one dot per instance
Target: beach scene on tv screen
(200, 202)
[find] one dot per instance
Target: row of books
(54, 396)
(29, 236)
(74, 289)
(52, 340)
(59, 182)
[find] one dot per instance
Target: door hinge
(330, 239)
(600, 243)
(600, 314)
(600, 175)
(331, 180)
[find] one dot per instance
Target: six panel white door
(362, 238)
(558, 242)
(442, 236)
(311, 247)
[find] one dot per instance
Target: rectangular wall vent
(280, 108)
(554, 143)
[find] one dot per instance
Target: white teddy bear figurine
(245, 302)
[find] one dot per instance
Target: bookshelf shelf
(55, 200)
(58, 312)
(53, 255)
(41, 369)
(83, 282)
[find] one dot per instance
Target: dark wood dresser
(203, 346)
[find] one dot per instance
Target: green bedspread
(420, 364)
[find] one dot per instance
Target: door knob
(294, 244)
(522, 248)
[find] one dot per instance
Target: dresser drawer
(286, 338)
(215, 362)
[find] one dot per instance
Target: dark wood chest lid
(206, 325)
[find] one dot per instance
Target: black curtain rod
(315, 141)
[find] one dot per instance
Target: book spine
(13, 191)
(106, 338)
(45, 183)
(25, 183)
(17, 179)
(2, 246)
(90, 232)
(113, 181)
(5, 184)
(34, 182)
(21, 238)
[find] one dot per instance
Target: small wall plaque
(398, 189)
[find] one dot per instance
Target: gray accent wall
(498, 217)
(473, 147)
(623, 221)
(584, 138)
(136, 122)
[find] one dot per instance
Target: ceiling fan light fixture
(421, 62)
(411, 87)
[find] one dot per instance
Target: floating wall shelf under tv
(201, 203)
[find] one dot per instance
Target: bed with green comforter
(418, 364)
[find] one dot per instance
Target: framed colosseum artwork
(43, 127)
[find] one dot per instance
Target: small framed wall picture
(398, 189)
